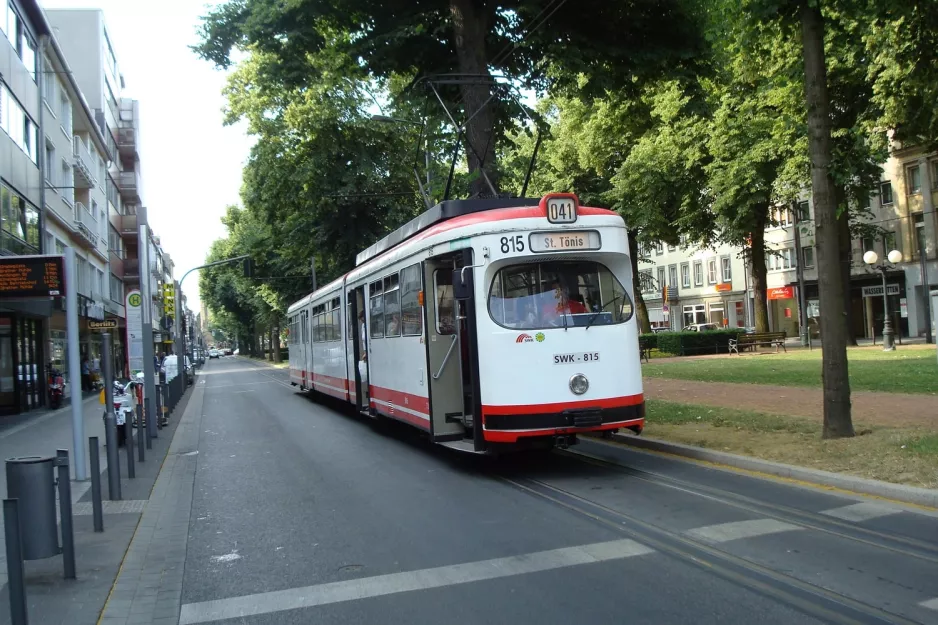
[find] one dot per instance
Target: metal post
(15, 573)
(799, 271)
(129, 447)
(65, 514)
(97, 508)
(110, 426)
(888, 343)
(149, 370)
(180, 339)
(140, 433)
(926, 296)
(74, 363)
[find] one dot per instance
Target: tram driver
(559, 302)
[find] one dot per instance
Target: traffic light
(248, 267)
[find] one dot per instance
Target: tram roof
(441, 212)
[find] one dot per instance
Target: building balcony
(128, 226)
(83, 165)
(131, 268)
(129, 184)
(86, 223)
(127, 143)
(116, 262)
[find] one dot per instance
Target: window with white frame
(695, 313)
(661, 283)
(65, 113)
(807, 255)
(18, 125)
(22, 42)
(685, 275)
(885, 193)
(712, 271)
(67, 187)
(49, 165)
(727, 267)
(659, 248)
(698, 273)
(913, 179)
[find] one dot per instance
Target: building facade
(705, 288)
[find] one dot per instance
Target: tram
(490, 324)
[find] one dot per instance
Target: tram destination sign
(32, 276)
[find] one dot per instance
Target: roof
(440, 212)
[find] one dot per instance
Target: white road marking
(393, 583)
(862, 511)
(228, 557)
(931, 604)
(740, 529)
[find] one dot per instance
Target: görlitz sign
(107, 324)
(877, 291)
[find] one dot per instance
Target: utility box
(31, 479)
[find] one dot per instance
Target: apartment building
(704, 286)
(23, 323)
(902, 207)
(75, 157)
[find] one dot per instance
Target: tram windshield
(558, 294)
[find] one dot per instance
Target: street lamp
(892, 258)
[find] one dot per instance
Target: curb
(906, 494)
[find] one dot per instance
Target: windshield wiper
(600, 311)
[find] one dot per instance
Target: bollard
(97, 508)
(15, 566)
(129, 446)
(65, 513)
(110, 425)
(140, 432)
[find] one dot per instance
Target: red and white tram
(489, 324)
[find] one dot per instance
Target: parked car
(702, 327)
(228, 351)
(213, 353)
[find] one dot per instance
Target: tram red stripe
(423, 424)
(499, 214)
(405, 400)
(612, 402)
(507, 436)
(328, 379)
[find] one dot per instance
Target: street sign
(169, 300)
(107, 324)
(134, 332)
(877, 291)
(32, 276)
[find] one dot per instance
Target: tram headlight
(579, 384)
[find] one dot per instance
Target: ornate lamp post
(892, 258)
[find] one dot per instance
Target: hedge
(650, 339)
(685, 343)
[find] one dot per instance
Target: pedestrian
(85, 375)
(364, 336)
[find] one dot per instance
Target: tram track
(813, 600)
(846, 530)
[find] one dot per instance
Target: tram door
(357, 363)
(444, 351)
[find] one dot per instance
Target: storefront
(22, 374)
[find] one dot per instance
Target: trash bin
(31, 479)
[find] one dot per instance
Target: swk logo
(524, 338)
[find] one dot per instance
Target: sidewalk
(889, 409)
(52, 600)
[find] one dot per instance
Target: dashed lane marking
(862, 511)
(394, 583)
(725, 532)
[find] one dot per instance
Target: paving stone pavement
(148, 589)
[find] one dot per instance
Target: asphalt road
(303, 513)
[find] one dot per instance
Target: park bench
(644, 349)
(756, 339)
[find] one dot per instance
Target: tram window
(376, 316)
(410, 301)
(392, 306)
(336, 319)
(445, 305)
(316, 329)
(556, 294)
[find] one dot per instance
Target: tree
(535, 43)
(837, 418)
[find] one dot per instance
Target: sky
(190, 162)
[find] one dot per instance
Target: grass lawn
(900, 455)
(909, 369)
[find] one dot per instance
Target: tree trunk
(846, 257)
(277, 357)
(757, 271)
(641, 311)
(470, 26)
(270, 344)
(837, 419)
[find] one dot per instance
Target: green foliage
(691, 343)
(650, 339)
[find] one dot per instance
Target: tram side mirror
(461, 290)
